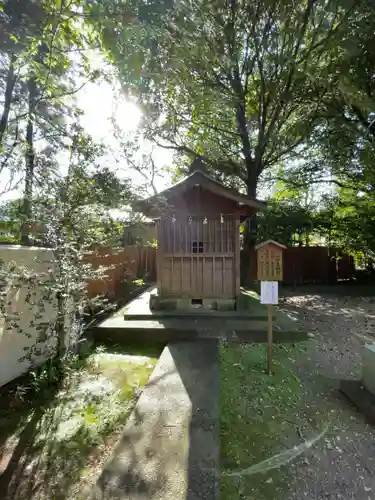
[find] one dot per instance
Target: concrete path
(170, 447)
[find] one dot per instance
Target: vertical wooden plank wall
(159, 255)
(208, 273)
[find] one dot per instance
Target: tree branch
(289, 80)
(308, 182)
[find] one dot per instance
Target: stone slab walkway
(170, 447)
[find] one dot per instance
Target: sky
(104, 103)
(101, 104)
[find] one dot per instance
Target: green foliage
(42, 68)
(92, 194)
(252, 86)
(8, 239)
(342, 147)
(352, 221)
(10, 221)
(287, 223)
(235, 82)
(71, 221)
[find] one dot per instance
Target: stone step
(357, 394)
(368, 367)
(201, 315)
(173, 330)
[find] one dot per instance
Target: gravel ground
(341, 466)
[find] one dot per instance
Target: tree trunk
(308, 238)
(300, 238)
(60, 327)
(10, 81)
(250, 238)
(29, 164)
(253, 171)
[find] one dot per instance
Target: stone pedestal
(368, 367)
(187, 305)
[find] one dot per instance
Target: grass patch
(256, 415)
(263, 419)
(61, 438)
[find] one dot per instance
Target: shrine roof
(199, 178)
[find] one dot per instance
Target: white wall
(21, 313)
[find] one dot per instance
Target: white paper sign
(269, 292)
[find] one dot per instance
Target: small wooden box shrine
(198, 233)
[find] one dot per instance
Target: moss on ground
(63, 437)
(257, 411)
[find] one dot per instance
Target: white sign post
(269, 294)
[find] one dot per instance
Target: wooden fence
(313, 265)
(125, 264)
(317, 264)
(301, 265)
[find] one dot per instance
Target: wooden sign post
(270, 272)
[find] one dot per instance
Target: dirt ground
(342, 464)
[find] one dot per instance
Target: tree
(71, 208)
(343, 143)
(93, 192)
(41, 77)
(69, 211)
(232, 79)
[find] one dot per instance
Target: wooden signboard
(270, 261)
(270, 271)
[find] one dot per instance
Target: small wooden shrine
(198, 233)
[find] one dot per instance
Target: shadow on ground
(20, 449)
(35, 463)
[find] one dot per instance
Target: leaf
(90, 416)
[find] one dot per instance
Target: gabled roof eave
(200, 178)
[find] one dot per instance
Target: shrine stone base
(191, 305)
